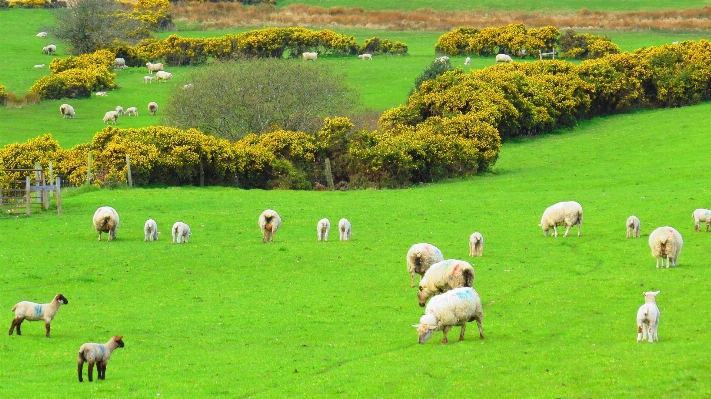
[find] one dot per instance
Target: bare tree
(233, 99)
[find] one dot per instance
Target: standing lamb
(419, 259)
(131, 110)
(154, 67)
(119, 110)
(309, 56)
(346, 229)
(366, 57)
(444, 276)
(98, 354)
(666, 242)
(467, 60)
(633, 226)
(322, 228)
(476, 244)
(269, 222)
(181, 232)
(566, 214)
(106, 220)
(503, 58)
(453, 308)
(648, 318)
(701, 215)
(163, 76)
(34, 311)
(148, 79)
(152, 107)
(150, 230)
(111, 116)
(41, 34)
(67, 111)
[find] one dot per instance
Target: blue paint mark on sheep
(102, 349)
(38, 310)
(466, 294)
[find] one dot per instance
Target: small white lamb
(467, 60)
(269, 221)
(648, 318)
(666, 243)
(148, 79)
(633, 226)
(566, 214)
(346, 229)
(119, 110)
(131, 110)
(366, 57)
(322, 228)
(453, 308)
(31, 311)
(476, 244)
(111, 116)
(701, 215)
(150, 230)
(181, 232)
(306, 56)
(67, 111)
(98, 354)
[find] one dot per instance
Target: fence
(23, 193)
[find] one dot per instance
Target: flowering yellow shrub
(512, 39)
(28, 3)
(100, 57)
(24, 156)
(74, 83)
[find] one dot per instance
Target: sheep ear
(118, 338)
(416, 325)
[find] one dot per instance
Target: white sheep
(67, 111)
(453, 308)
(269, 221)
(31, 311)
(39, 66)
(154, 67)
(444, 276)
(98, 354)
(633, 225)
(119, 63)
(366, 57)
(51, 49)
(566, 214)
(106, 220)
(111, 116)
(503, 58)
(701, 215)
(119, 109)
(666, 242)
(131, 110)
(346, 229)
(163, 76)
(648, 318)
(152, 107)
(420, 257)
(309, 56)
(322, 228)
(467, 60)
(188, 86)
(41, 34)
(150, 230)
(101, 93)
(443, 58)
(148, 79)
(476, 244)
(181, 232)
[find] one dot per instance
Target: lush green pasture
(228, 316)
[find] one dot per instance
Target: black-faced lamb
(106, 220)
(476, 244)
(666, 243)
(633, 226)
(456, 307)
(444, 276)
(322, 228)
(648, 318)
(152, 107)
(31, 311)
(150, 230)
(181, 232)
(98, 354)
(269, 221)
(701, 215)
(420, 257)
(345, 228)
(569, 213)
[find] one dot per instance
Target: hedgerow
(75, 77)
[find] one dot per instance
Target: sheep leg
(101, 368)
(461, 332)
(471, 249)
(567, 229)
(46, 326)
(412, 283)
(481, 328)
(19, 323)
(444, 339)
(80, 366)
(15, 322)
(90, 371)
(639, 333)
(578, 229)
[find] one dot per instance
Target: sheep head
(427, 326)
(650, 296)
(423, 293)
(61, 299)
(119, 340)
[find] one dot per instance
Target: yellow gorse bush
(77, 76)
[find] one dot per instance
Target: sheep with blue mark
(98, 354)
(456, 307)
(31, 311)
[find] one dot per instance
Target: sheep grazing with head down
(119, 110)
(269, 222)
(119, 63)
(106, 220)
(181, 232)
(150, 230)
(453, 308)
(306, 56)
(111, 116)
(163, 76)
(648, 318)
(131, 110)
(633, 226)
(98, 354)
(566, 214)
(41, 34)
(444, 276)
(346, 229)
(67, 111)
(322, 228)
(366, 57)
(666, 243)
(467, 60)
(701, 215)
(31, 311)
(503, 58)
(420, 257)
(476, 244)
(152, 107)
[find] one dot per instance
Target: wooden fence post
(87, 181)
(202, 174)
(58, 191)
(329, 176)
(128, 169)
(51, 177)
(28, 194)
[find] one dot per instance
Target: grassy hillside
(228, 316)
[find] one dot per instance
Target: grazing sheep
(131, 110)
(39, 66)
(67, 111)
(119, 63)
(269, 222)
(106, 220)
(322, 229)
(444, 276)
(676, 42)
(453, 308)
(111, 116)
(420, 257)
(163, 76)
(476, 244)
(503, 58)
(152, 107)
(148, 79)
(98, 354)
(154, 67)
(181, 232)
(51, 49)
(309, 56)
(443, 58)
(41, 34)
(150, 230)
(346, 229)
(648, 318)
(701, 215)
(633, 226)
(188, 86)
(666, 242)
(119, 109)
(34, 311)
(467, 60)
(366, 57)
(566, 214)
(101, 93)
